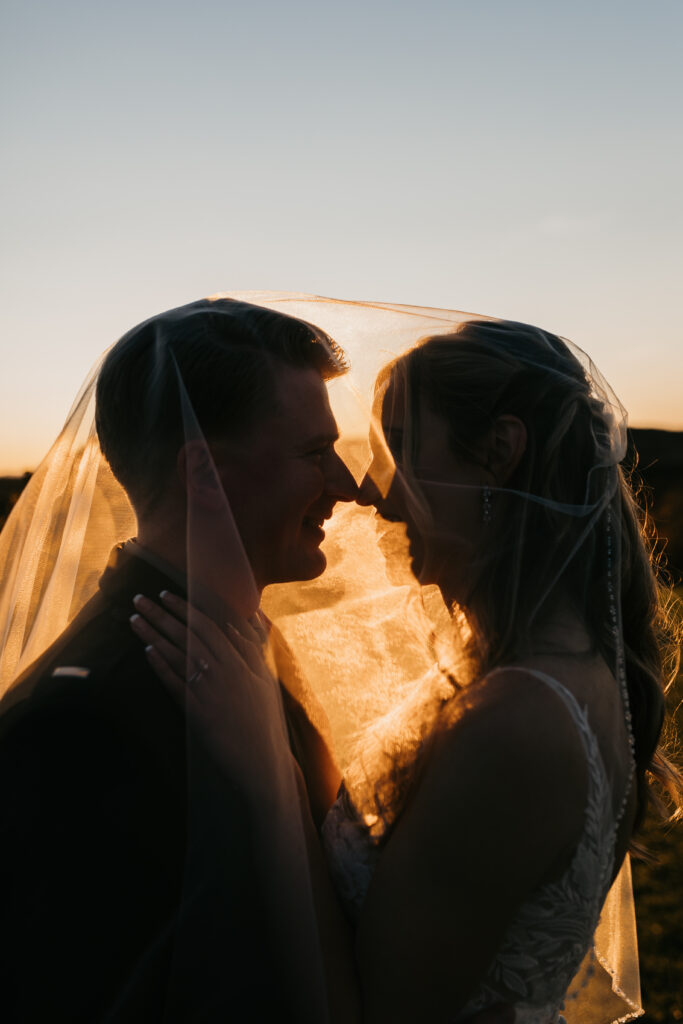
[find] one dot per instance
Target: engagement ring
(199, 672)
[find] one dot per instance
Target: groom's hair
(213, 362)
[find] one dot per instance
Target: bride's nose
(368, 491)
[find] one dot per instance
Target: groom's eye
(318, 454)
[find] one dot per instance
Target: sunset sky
(521, 159)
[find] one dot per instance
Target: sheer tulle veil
(378, 649)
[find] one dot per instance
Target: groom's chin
(318, 564)
(307, 566)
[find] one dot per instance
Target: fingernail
(149, 649)
(138, 598)
(164, 593)
(135, 619)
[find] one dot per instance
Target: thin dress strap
(580, 717)
(578, 714)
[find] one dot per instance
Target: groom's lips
(315, 523)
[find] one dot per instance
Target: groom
(124, 901)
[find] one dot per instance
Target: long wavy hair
(565, 522)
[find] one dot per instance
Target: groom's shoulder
(88, 724)
(95, 674)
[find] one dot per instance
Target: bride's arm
(307, 722)
(309, 729)
(498, 811)
(228, 669)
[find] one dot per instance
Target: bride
(475, 844)
(502, 832)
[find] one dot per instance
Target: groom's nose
(339, 482)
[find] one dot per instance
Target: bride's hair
(533, 551)
(226, 353)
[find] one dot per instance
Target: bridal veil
(378, 650)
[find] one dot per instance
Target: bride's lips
(386, 524)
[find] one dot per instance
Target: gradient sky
(519, 159)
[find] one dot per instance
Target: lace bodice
(552, 933)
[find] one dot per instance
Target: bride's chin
(435, 576)
(421, 563)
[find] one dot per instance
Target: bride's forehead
(391, 398)
(398, 414)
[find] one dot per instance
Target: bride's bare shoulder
(510, 742)
(497, 811)
(514, 706)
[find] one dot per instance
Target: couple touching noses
(282, 478)
(168, 797)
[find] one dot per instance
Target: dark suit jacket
(122, 900)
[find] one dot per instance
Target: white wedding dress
(552, 934)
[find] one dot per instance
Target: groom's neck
(165, 540)
(207, 568)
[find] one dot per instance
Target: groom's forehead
(298, 415)
(302, 408)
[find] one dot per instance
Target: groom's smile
(285, 478)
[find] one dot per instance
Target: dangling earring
(486, 507)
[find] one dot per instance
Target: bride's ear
(198, 475)
(508, 444)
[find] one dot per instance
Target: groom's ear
(198, 475)
(508, 444)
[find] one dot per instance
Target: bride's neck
(561, 631)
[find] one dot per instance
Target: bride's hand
(221, 678)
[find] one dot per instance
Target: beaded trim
(486, 504)
(615, 626)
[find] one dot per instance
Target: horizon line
(17, 472)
